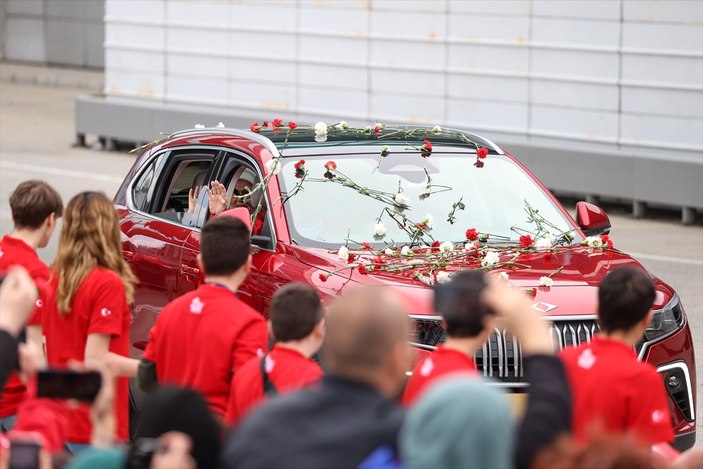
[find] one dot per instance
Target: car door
(229, 167)
(155, 230)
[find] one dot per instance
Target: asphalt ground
(37, 133)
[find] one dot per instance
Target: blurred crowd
(312, 386)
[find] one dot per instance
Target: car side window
(183, 174)
(143, 189)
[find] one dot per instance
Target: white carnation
(428, 220)
(491, 258)
(379, 229)
(470, 245)
(546, 281)
(436, 128)
(220, 125)
(198, 126)
(389, 252)
(343, 125)
(504, 276)
(545, 242)
(594, 241)
(343, 253)
(406, 251)
(401, 199)
(273, 166)
(446, 247)
(443, 277)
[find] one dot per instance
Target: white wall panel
(541, 69)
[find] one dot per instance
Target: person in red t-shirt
(297, 322)
(612, 391)
(468, 324)
(201, 339)
(35, 207)
(89, 319)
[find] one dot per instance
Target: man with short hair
(35, 207)
(201, 339)
(468, 326)
(613, 391)
(296, 321)
(351, 413)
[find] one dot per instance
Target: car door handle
(128, 255)
(187, 270)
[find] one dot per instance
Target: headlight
(665, 321)
(426, 331)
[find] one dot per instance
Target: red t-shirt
(610, 387)
(287, 369)
(99, 307)
(14, 251)
(439, 363)
(202, 338)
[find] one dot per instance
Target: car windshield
(327, 212)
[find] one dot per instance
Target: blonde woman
(90, 317)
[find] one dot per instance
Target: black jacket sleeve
(8, 356)
(548, 413)
(146, 376)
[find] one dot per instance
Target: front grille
(501, 356)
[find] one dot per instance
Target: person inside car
(239, 195)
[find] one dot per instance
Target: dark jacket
(8, 356)
(336, 424)
(548, 413)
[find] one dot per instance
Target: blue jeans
(75, 448)
(6, 423)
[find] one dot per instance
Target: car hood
(573, 291)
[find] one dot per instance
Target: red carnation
(323, 277)
(378, 128)
(426, 149)
(548, 256)
(351, 258)
(532, 292)
(292, 125)
(366, 245)
(435, 246)
(330, 165)
(472, 234)
(378, 260)
(482, 152)
(478, 164)
(299, 169)
(605, 239)
(362, 269)
(255, 127)
(421, 225)
(526, 241)
(299, 165)
(266, 124)
(277, 122)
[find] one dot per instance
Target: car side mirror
(261, 241)
(592, 219)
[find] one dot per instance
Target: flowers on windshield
(472, 234)
(545, 242)
(343, 253)
(442, 277)
(401, 200)
(491, 258)
(379, 229)
(292, 125)
(446, 247)
(546, 281)
(602, 241)
(426, 149)
(526, 241)
(378, 127)
(406, 251)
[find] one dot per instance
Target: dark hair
(625, 296)
(295, 311)
(459, 303)
(224, 245)
(32, 202)
(172, 409)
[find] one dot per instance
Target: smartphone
(69, 384)
(142, 452)
(461, 295)
(24, 454)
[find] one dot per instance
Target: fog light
(673, 381)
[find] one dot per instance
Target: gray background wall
(53, 32)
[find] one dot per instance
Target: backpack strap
(269, 388)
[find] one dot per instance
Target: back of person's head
(458, 422)
(295, 312)
(172, 409)
(90, 237)
(32, 202)
(625, 296)
(459, 303)
(366, 334)
(224, 245)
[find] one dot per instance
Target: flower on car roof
(343, 253)
(385, 150)
(220, 125)
(198, 126)
(491, 258)
(320, 132)
(546, 281)
(378, 127)
(401, 199)
(426, 149)
(273, 166)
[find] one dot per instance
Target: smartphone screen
(24, 455)
(67, 384)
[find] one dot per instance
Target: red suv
(399, 207)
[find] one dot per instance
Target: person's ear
(199, 258)
(269, 327)
(247, 264)
(319, 330)
(51, 220)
